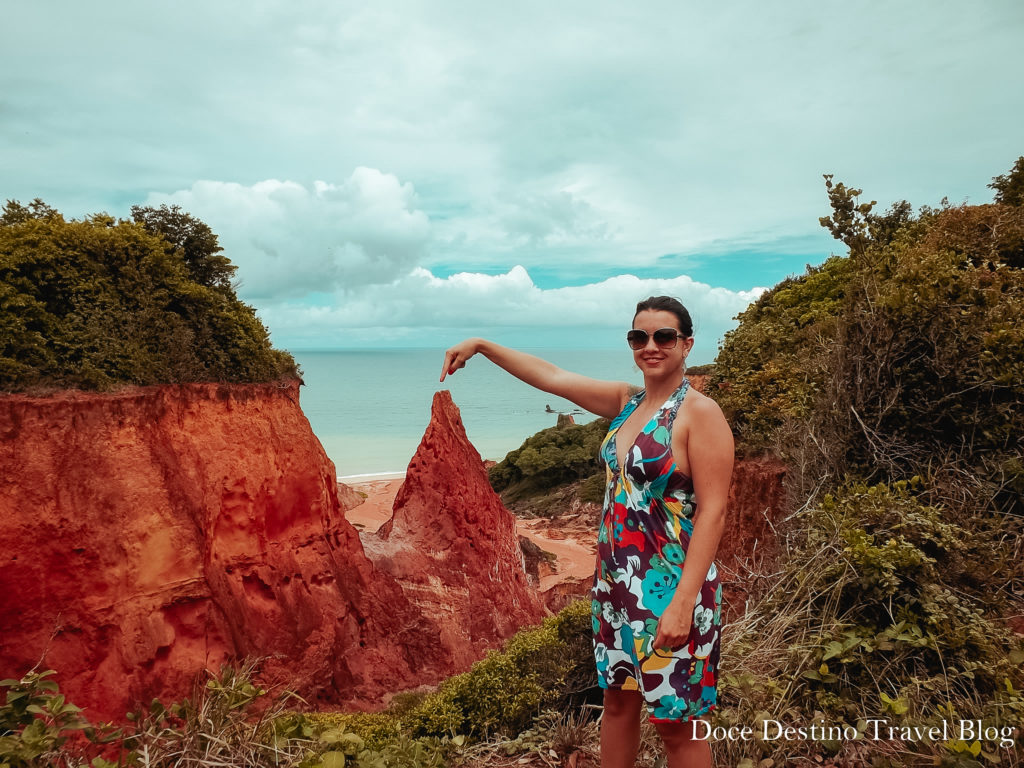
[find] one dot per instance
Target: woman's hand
(457, 356)
(675, 623)
(605, 398)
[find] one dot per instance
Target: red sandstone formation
(452, 544)
(348, 497)
(698, 381)
(149, 534)
(756, 497)
(749, 544)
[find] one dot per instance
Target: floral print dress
(645, 530)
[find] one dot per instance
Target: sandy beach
(572, 546)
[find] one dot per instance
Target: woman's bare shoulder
(701, 409)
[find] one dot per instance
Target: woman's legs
(620, 728)
(682, 750)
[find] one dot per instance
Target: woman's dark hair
(668, 304)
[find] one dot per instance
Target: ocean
(370, 408)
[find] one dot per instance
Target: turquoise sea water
(369, 409)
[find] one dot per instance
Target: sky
(410, 173)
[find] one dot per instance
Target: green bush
(550, 666)
(764, 373)
(904, 357)
(230, 721)
(550, 458)
(36, 722)
(876, 611)
(901, 359)
(924, 374)
(905, 567)
(592, 489)
(96, 303)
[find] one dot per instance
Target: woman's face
(651, 359)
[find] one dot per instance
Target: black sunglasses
(666, 338)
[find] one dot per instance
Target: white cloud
(289, 241)
(421, 309)
(577, 139)
(679, 124)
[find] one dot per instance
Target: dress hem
(651, 718)
(688, 718)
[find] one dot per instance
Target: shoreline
(367, 477)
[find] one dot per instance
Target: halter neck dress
(646, 525)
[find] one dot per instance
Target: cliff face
(756, 498)
(453, 545)
(150, 534)
(749, 545)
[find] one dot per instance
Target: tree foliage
(100, 302)
(762, 378)
(1009, 186)
(193, 240)
(550, 458)
(904, 357)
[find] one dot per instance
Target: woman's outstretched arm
(605, 398)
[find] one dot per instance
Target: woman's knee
(676, 733)
(622, 704)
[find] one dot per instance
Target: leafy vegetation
(548, 667)
(550, 458)
(890, 378)
(877, 611)
(904, 357)
(763, 375)
(232, 720)
(36, 722)
(95, 303)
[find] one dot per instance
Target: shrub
(551, 457)
(763, 375)
(873, 613)
(550, 666)
(922, 374)
(36, 721)
(96, 303)
(904, 358)
(901, 359)
(228, 722)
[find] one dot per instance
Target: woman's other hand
(457, 356)
(675, 623)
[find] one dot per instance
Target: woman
(656, 596)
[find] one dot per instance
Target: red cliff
(453, 545)
(757, 498)
(149, 534)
